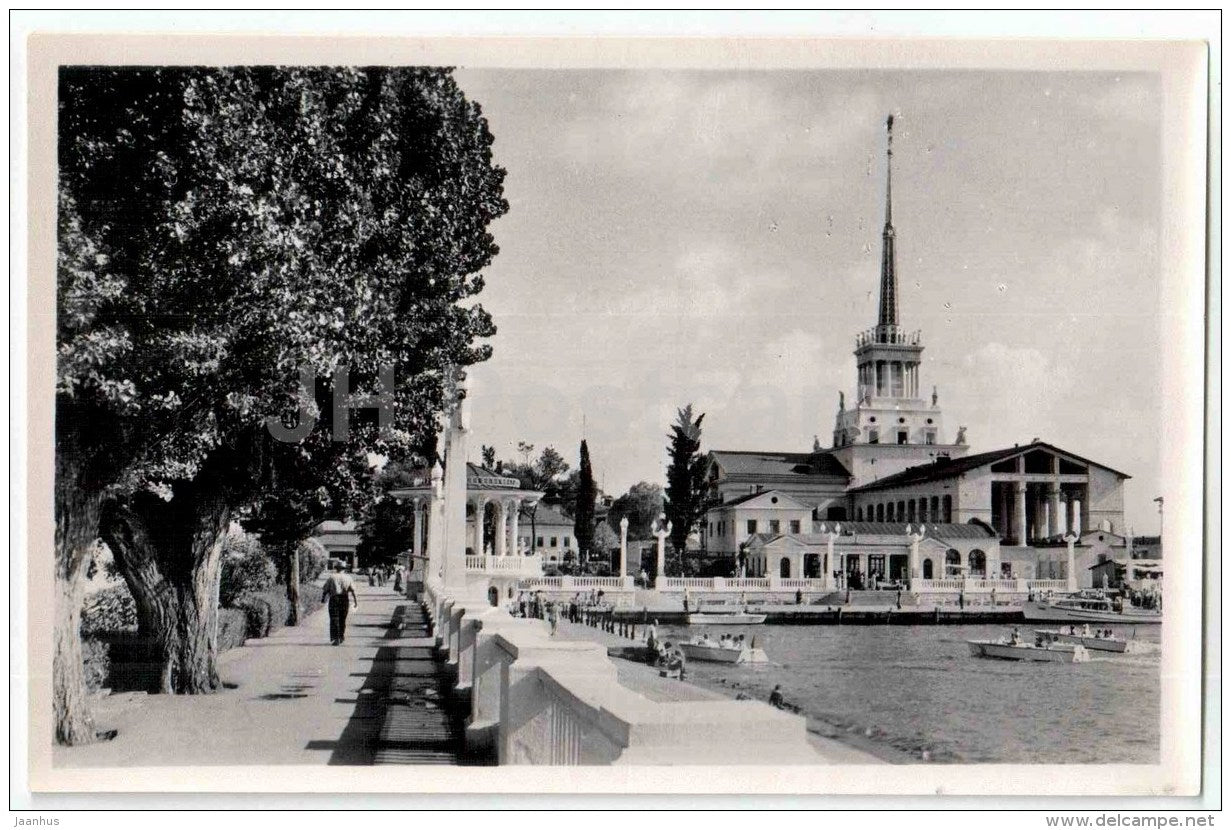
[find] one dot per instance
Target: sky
(714, 238)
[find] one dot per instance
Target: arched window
(784, 568)
(978, 562)
(901, 511)
(935, 511)
(910, 511)
(493, 595)
(859, 514)
(927, 568)
(953, 562)
(880, 512)
(948, 510)
(923, 510)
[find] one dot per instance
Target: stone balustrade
(540, 700)
(718, 584)
(1059, 586)
(505, 565)
(617, 590)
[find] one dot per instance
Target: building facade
(893, 464)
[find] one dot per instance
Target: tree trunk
(170, 556)
(77, 512)
(292, 587)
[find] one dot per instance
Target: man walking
(339, 591)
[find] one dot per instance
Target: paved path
(292, 699)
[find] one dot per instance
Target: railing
(1058, 585)
(512, 564)
(1010, 585)
(718, 584)
(927, 585)
(748, 584)
(581, 583)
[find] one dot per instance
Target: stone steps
(422, 723)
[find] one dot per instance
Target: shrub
(232, 628)
(109, 610)
(246, 569)
(313, 559)
(266, 611)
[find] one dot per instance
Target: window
(903, 436)
(540, 541)
(874, 437)
(929, 437)
(752, 525)
(795, 526)
(566, 541)
(553, 541)
(776, 527)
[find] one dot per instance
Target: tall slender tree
(685, 478)
(583, 510)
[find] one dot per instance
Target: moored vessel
(1086, 607)
(722, 652)
(725, 618)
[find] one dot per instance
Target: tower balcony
(888, 336)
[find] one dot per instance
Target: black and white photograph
(412, 417)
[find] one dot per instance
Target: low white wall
(539, 700)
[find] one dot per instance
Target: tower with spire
(891, 426)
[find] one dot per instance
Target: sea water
(917, 688)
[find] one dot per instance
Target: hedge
(108, 611)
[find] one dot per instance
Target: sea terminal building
(892, 465)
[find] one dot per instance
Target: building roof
(546, 516)
(943, 468)
(754, 463)
(795, 504)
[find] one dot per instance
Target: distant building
(892, 464)
(340, 539)
(553, 534)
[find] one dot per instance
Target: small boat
(1045, 649)
(714, 652)
(1088, 639)
(725, 618)
(1086, 606)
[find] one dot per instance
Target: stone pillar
(915, 536)
(1019, 490)
(455, 500)
(623, 547)
(1055, 524)
(515, 530)
(435, 528)
(502, 528)
(1070, 570)
(663, 531)
(476, 532)
(1076, 502)
(827, 572)
(416, 541)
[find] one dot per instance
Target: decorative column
(663, 531)
(514, 530)
(416, 541)
(476, 537)
(435, 527)
(1070, 570)
(1019, 490)
(831, 536)
(1055, 524)
(502, 528)
(623, 547)
(1076, 515)
(915, 536)
(455, 498)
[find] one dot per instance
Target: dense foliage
(642, 504)
(583, 506)
(224, 235)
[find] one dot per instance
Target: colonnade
(508, 518)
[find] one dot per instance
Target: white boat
(1086, 607)
(713, 652)
(1116, 644)
(725, 618)
(1050, 652)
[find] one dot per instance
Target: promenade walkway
(292, 698)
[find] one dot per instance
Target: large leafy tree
(642, 504)
(685, 478)
(221, 231)
(583, 506)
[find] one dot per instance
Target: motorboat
(1086, 606)
(725, 618)
(712, 651)
(1045, 649)
(1089, 639)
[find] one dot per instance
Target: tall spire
(889, 280)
